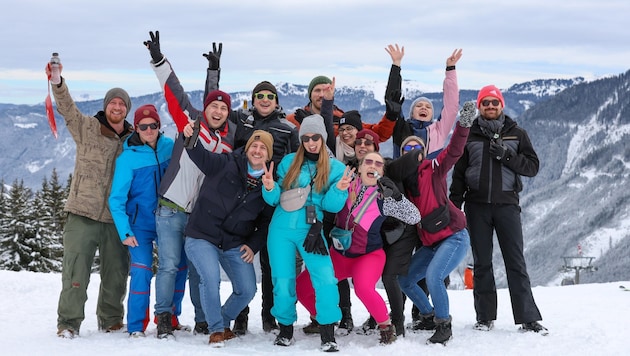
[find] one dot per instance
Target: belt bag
(436, 220)
(294, 199)
(341, 238)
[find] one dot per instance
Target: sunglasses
(144, 127)
(408, 148)
(371, 162)
(347, 128)
(361, 141)
(261, 96)
(313, 138)
(494, 102)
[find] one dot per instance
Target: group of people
(308, 191)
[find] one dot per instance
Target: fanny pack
(294, 199)
(342, 238)
(436, 220)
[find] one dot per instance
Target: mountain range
(579, 129)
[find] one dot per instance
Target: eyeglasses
(371, 162)
(494, 102)
(361, 141)
(144, 127)
(261, 96)
(347, 128)
(313, 138)
(408, 148)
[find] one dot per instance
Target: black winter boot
(201, 328)
(240, 324)
(346, 322)
(327, 333)
(312, 328)
(443, 332)
(164, 326)
(399, 324)
(368, 327)
(285, 337)
(424, 322)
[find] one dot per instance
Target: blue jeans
(434, 264)
(173, 268)
(206, 257)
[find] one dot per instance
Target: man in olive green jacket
(90, 225)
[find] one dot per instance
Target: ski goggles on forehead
(408, 148)
(261, 96)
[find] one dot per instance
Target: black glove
(214, 56)
(388, 188)
(314, 241)
(497, 150)
(393, 105)
(467, 114)
(154, 47)
(300, 114)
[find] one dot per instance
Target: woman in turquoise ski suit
(288, 229)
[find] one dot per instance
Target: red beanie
(490, 90)
(145, 111)
(369, 135)
(218, 95)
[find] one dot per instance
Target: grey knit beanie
(422, 98)
(313, 124)
(117, 93)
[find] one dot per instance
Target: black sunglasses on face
(494, 102)
(361, 141)
(261, 96)
(144, 127)
(314, 138)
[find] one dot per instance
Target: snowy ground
(583, 320)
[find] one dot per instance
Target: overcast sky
(507, 42)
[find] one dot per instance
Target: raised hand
(329, 91)
(397, 53)
(453, 58)
(214, 56)
(154, 47)
(267, 177)
(388, 188)
(345, 180)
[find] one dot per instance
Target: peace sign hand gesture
(345, 180)
(267, 177)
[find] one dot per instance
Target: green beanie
(317, 80)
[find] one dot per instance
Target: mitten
(393, 105)
(497, 150)
(388, 188)
(214, 56)
(300, 114)
(314, 241)
(467, 114)
(154, 47)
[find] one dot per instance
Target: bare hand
(267, 177)
(396, 53)
(345, 180)
(329, 90)
(452, 60)
(247, 254)
(188, 129)
(131, 241)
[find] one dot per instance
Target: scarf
(344, 151)
(419, 128)
(491, 128)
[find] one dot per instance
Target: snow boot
(327, 333)
(240, 324)
(443, 332)
(399, 325)
(312, 328)
(346, 322)
(285, 337)
(201, 327)
(424, 322)
(388, 334)
(484, 325)
(368, 327)
(164, 326)
(535, 327)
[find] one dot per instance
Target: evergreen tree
(18, 246)
(4, 220)
(48, 249)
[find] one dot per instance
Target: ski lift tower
(577, 264)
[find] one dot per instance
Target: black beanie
(352, 118)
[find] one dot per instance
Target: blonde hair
(322, 167)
